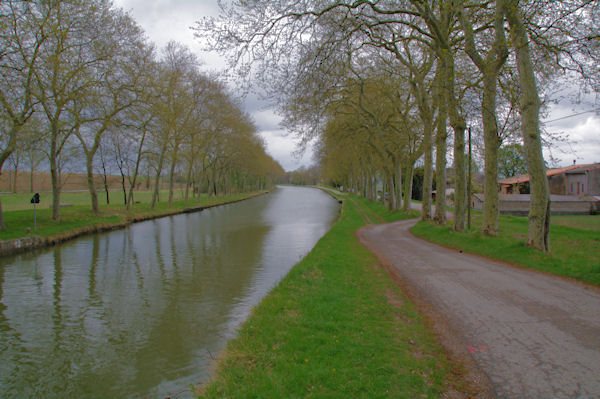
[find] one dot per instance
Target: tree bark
(458, 125)
(408, 177)
(391, 191)
(489, 67)
(16, 172)
(133, 180)
(440, 159)
(427, 173)
(157, 178)
(491, 142)
(539, 209)
(90, 183)
(171, 175)
(398, 185)
(54, 175)
(31, 169)
(188, 180)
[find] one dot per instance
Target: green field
(18, 202)
(574, 244)
(78, 216)
(335, 327)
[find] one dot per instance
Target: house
(576, 180)
(574, 189)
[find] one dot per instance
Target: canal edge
(26, 244)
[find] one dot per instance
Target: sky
(165, 20)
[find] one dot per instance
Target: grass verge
(79, 218)
(336, 326)
(573, 250)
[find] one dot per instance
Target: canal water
(143, 311)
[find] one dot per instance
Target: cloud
(282, 148)
(583, 142)
(266, 120)
(166, 20)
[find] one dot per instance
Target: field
(43, 183)
(22, 201)
(78, 216)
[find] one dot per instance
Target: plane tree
(23, 28)
(121, 77)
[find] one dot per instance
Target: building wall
(556, 208)
(577, 184)
(521, 207)
(593, 182)
(557, 184)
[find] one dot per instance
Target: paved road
(533, 335)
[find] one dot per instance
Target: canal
(143, 311)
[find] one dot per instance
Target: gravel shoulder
(521, 333)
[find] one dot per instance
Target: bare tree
(22, 34)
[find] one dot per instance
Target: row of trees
(79, 79)
(382, 83)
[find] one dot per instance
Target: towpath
(532, 335)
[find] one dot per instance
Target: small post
(469, 186)
(35, 200)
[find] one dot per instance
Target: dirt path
(533, 335)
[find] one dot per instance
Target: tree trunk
(440, 164)
(31, 169)
(427, 173)
(391, 191)
(171, 175)
(2, 223)
(104, 177)
(188, 180)
(157, 178)
(90, 183)
(539, 209)
(133, 180)
(54, 175)
(491, 142)
(489, 67)
(398, 186)
(124, 189)
(16, 172)
(408, 177)
(458, 125)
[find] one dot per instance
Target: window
(582, 188)
(572, 187)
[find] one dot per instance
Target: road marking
(479, 348)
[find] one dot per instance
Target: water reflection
(141, 311)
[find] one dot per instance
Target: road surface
(533, 335)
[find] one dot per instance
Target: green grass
(79, 216)
(335, 327)
(574, 251)
(584, 222)
(16, 202)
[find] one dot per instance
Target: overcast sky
(165, 20)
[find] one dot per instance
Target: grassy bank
(574, 244)
(336, 326)
(78, 216)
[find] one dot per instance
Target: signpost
(35, 200)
